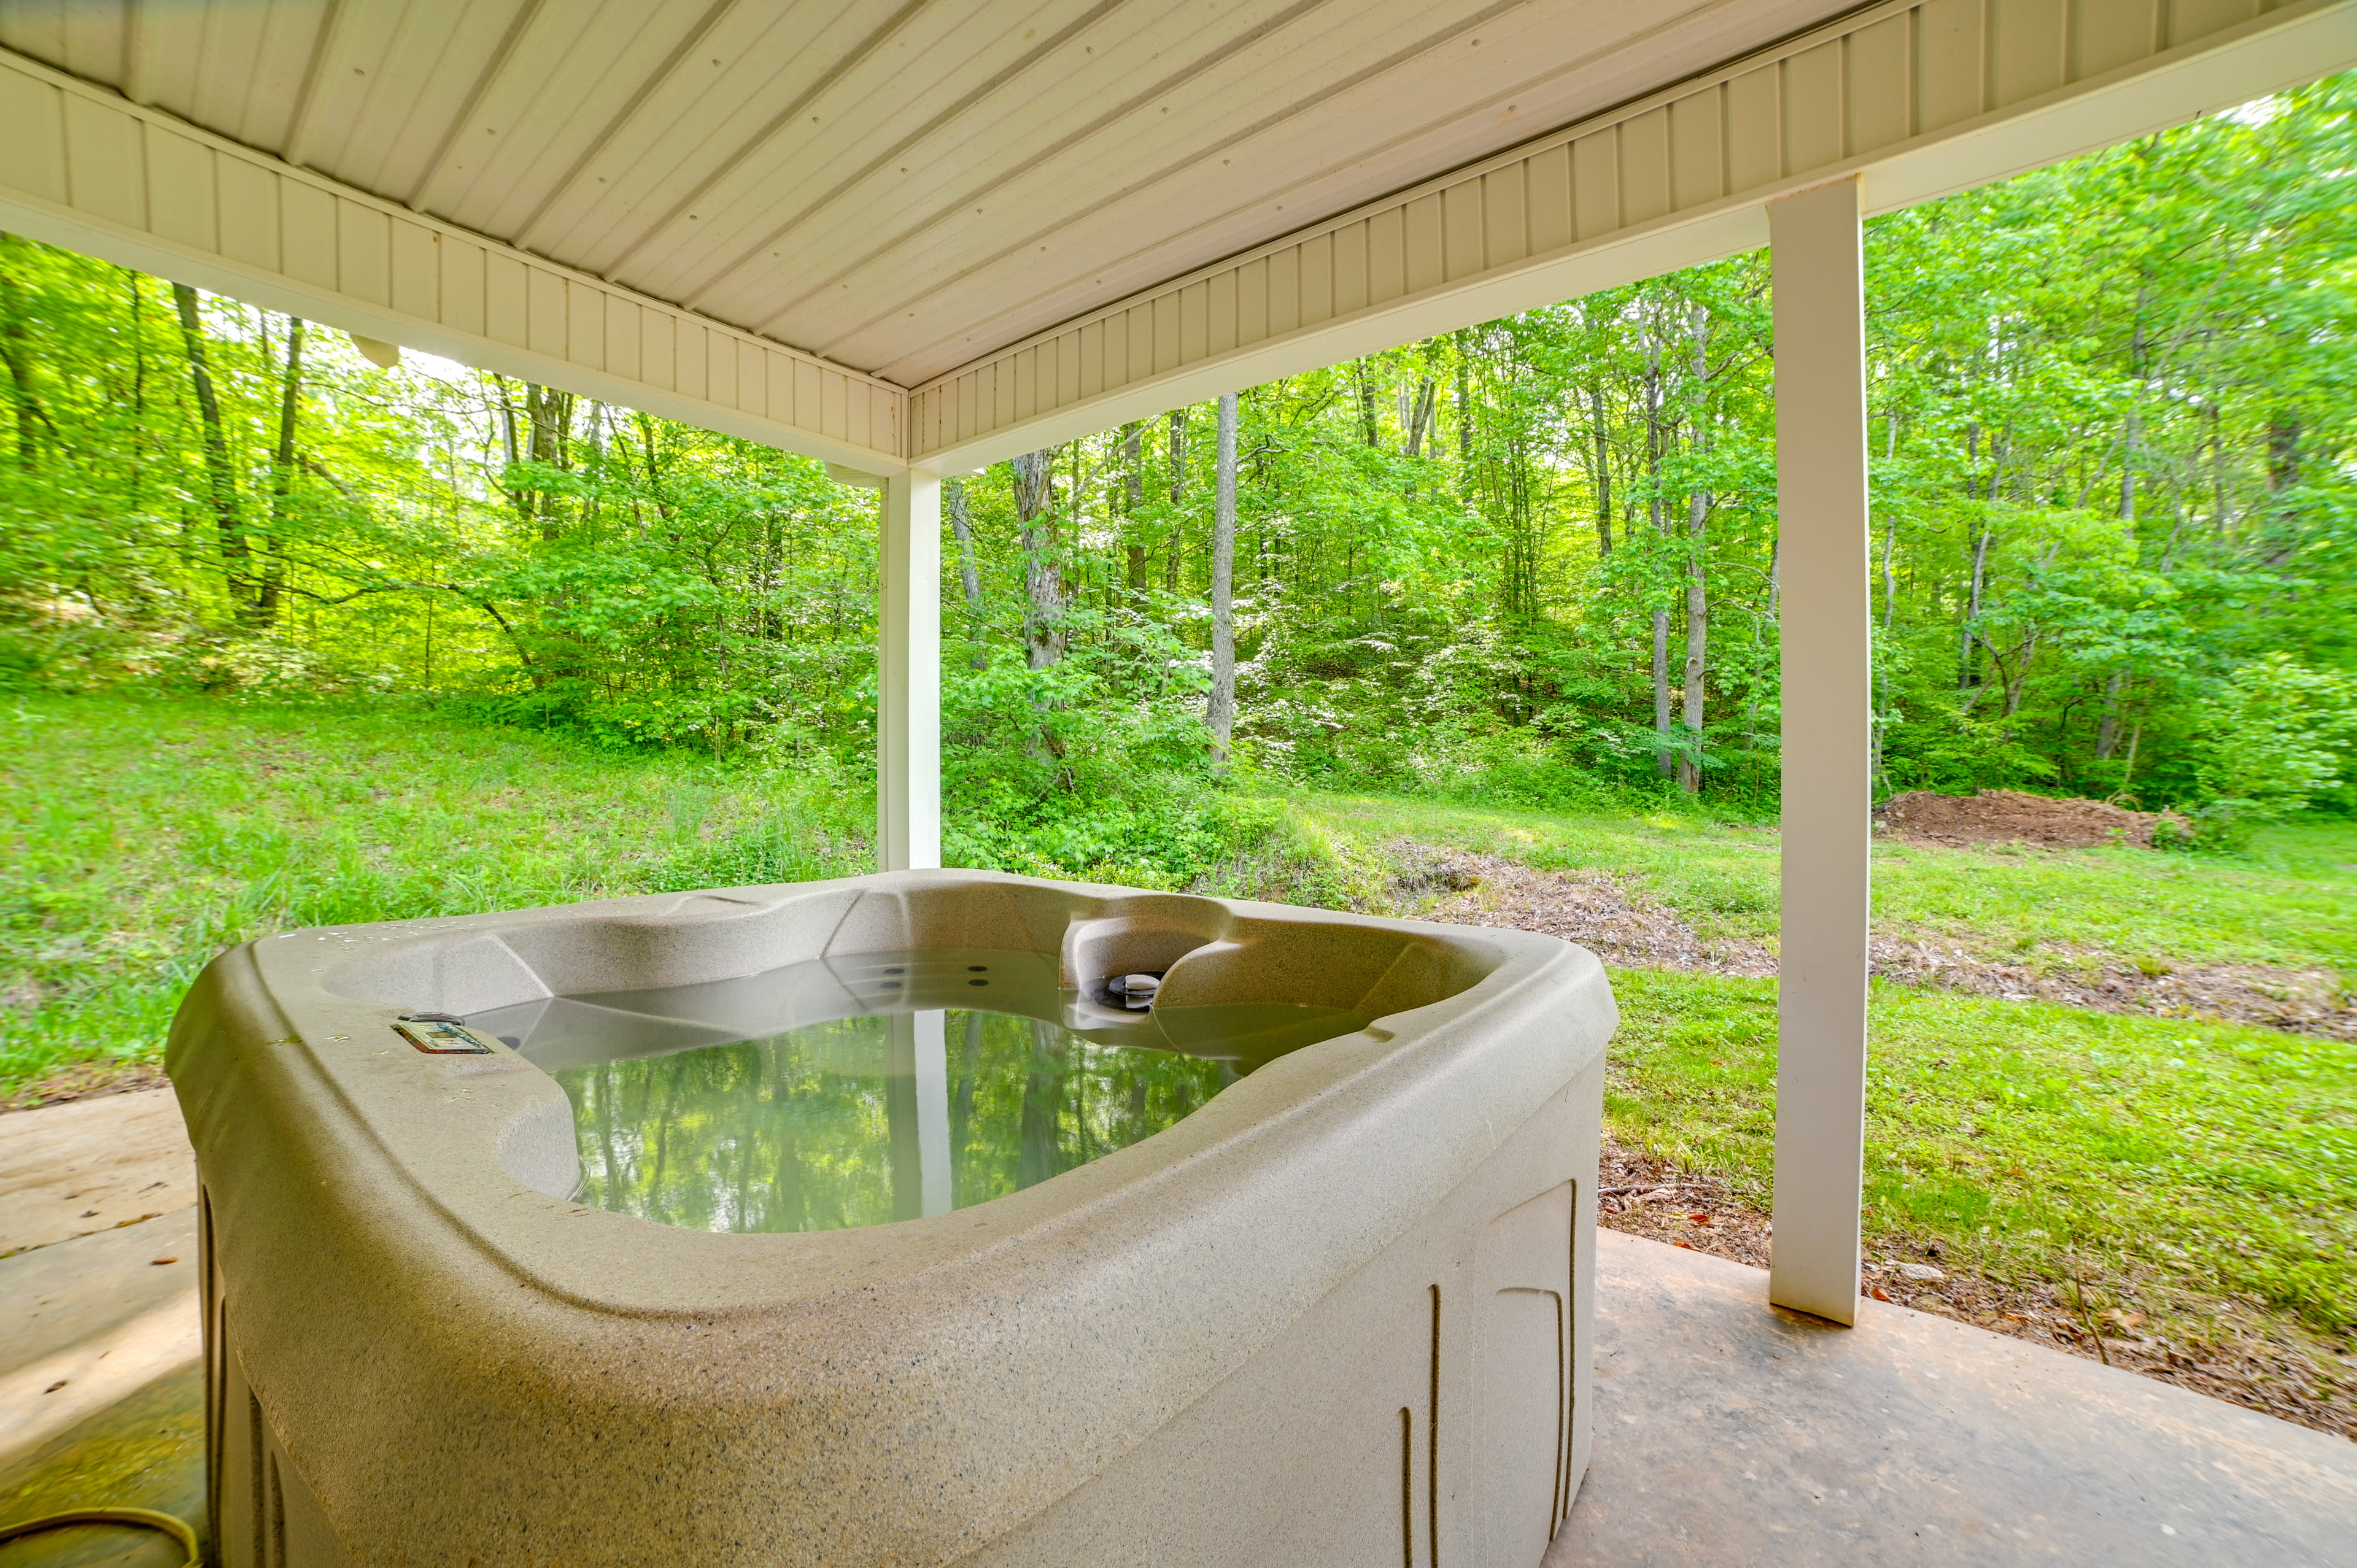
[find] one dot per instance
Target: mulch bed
(1646, 1196)
(2008, 816)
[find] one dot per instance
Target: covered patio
(913, 241)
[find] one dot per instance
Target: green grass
(142, 837)
(2190, 1168)
(2184, 1162)
(2286, 903)
(2196, 1162)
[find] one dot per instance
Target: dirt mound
(2008, 816)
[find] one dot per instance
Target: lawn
(2186, 1168)
(142, 837)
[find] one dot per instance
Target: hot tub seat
(1337, 1315)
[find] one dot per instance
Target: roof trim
(1923, 97)
(90, 170)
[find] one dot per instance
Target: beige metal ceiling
(899, 185)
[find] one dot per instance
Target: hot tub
(886, 1221)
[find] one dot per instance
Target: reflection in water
(858, 1103)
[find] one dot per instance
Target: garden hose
(141, 1519)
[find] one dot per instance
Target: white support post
(932, 1062)
(909, 676)
(1818, 270)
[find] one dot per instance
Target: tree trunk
(1664, 758)
(1603, 471)
(1416, 418)
(1464, 414)
(1045, 636)
(1697, 585)
(1177, 496)
(551, 420)
(1419, 416)
(1133, 457)
(2107, 727)
(281, 478)
(29, 415)
(1964, 682)
(962, 525)
(1221, 712)
(1889, 579)
(220, 481)
(1368, 429)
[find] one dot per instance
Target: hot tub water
(886, 1086)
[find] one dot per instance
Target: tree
(1220, 714)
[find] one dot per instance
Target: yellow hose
(143, 1519)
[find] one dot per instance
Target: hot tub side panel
(1435, 1409)
(389, 1319)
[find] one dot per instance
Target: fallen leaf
(162, 1261)
(1878, 1294)
(54, 1387)
(1698, 1218)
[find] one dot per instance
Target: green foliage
(2273, 733)
(1530, 563)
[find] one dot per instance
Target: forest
(1533, 562)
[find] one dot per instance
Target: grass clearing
(2199, 1174)
(142, 837)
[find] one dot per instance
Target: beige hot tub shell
(1335, 1316)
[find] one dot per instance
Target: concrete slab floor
(90, 1166)
(102, 1390)
(1730, 1433)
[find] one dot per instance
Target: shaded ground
(2251, 1365)
(1623, 927)
(2008, 816)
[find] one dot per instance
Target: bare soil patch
(2297, 1000)
(2247, 1362)
(87, 1080)
(2009, 816)
(1592, 908)
(1625, 927)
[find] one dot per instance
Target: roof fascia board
(89, 170)
(1195, 337)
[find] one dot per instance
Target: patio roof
(897, 233)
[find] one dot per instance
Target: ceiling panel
(902, 185)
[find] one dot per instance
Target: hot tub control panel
(440, 1034)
